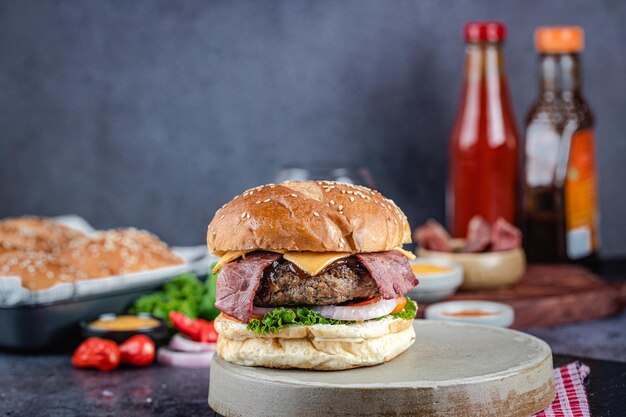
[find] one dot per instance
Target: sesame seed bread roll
(31, 233)
(316, 216)
(118, 251)
(38, 270)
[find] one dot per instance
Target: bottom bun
(319, 347)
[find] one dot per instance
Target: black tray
(38, 327)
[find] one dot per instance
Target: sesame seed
(328, 190)
(294, 195)
(222, 216)
(243, 214)
(316, 214)
(342, 240)
(343, 191)
(340, 207)
(247, 215)
(267, 200)
(214, 233)
(258, 202)
(332, 202)
(351, 198)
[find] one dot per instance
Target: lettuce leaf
(280, 317)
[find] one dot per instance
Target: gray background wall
(154, 113)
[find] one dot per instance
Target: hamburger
(312, 276)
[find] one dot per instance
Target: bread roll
(30, 233)
(38, 270)
(119, 251)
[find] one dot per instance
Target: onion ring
(352, 313)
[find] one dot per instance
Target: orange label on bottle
(581, 200)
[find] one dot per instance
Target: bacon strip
(433, 236)
(239, 281)
(391, 271)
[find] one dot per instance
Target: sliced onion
(181, 343)
(169, 357)
(350, 313)
(260, 311)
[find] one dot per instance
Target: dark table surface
(48, 385)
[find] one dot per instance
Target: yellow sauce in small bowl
(124, 323)
(424, 269)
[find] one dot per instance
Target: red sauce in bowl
(471, 313)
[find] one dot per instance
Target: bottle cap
(484, 32)
(560, 40)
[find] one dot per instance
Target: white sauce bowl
(436, 286)
(499, 315)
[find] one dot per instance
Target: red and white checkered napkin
(571, 397)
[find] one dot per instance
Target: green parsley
(184, 293)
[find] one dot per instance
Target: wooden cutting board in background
(549, 295)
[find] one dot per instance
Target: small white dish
(474, 311)
(435, 286)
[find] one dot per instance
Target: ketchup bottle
(484, 143)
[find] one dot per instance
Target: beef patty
(283, 283)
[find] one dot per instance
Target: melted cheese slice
(406, 253)
(310, 262)
(226, 258)
(314, 262)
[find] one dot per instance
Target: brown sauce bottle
(560, 203)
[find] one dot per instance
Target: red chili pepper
(138, 350)
(199, 330)
(97, 353)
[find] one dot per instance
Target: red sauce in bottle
(484, 143)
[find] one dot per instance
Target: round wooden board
(451, 370)
(551, 295)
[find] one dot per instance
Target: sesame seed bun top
(38, 270)
(317, 216)
(32, 233)
(118, 251)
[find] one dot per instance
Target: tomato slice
(364, 302)
(400, 305)
(252, 316)
(227, 317)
